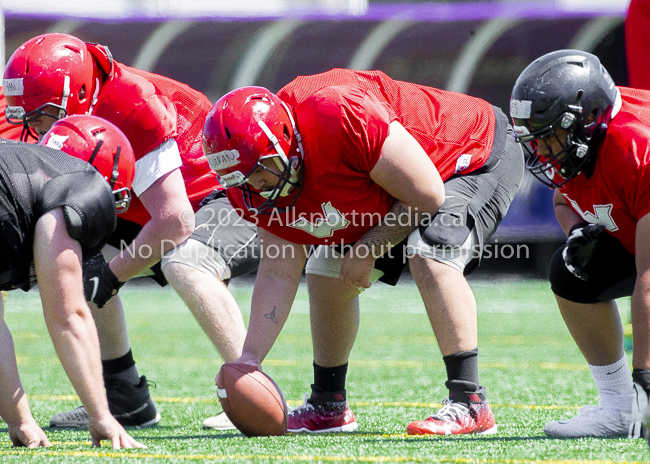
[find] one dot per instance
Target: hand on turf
(107, 428)
(356, 268)
(29, 435)
(579, 248)
(100, 283)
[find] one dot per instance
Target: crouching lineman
(590, 141)
(354, 158)
(54, 75)
(56, 210)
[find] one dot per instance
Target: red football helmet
(103, 145)
(50, 70)
(245, 127)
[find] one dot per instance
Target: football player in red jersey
(590, 141)
(370, 171)
(54, 75)
(56, 212)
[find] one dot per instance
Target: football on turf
(252, 400)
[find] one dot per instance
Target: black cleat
(131, 405)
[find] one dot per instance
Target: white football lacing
(450, 411)
(305, 406)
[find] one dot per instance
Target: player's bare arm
(565, 215)
(405, 171)
(57, 259)
(641, 296)
(14, 408)
(275, 289)
(171, 223)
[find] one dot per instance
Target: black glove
(100, 284)
(580, 247)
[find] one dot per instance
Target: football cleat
(456, 418)
(322, 418)
(218, 422)
(592, 421)
(130, 404)
(639, 410)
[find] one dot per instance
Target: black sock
(642, 377)
(122, 368)
(462, 366)
(329, 384)
(462, 377)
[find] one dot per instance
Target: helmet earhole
(287, 134)
(227, 133)
(82, 92)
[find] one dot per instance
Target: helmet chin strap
(64, 97)
(93, 102)
(281, 159)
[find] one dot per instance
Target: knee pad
(612, 274)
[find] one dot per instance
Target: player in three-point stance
(54, 75)
(590, 141)
(382, 169)
(56, 211)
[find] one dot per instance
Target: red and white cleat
(456, 418)
(322, 418)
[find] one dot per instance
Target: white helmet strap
(93, 102)
(65, 96)
(284, 163)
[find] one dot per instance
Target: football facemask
(554, 168)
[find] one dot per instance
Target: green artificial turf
(529, 364)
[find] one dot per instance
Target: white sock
(614, 384)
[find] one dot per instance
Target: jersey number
(323, 227)
(602, 215)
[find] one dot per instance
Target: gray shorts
(478, 200)
(223, 244)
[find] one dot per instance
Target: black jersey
(34, 180)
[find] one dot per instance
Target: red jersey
(151, 109)
(617, 194)
(343, 117)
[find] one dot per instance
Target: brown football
(252, 400)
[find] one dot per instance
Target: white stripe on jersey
(156, 164)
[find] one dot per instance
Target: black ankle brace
(320, 396)
(462, 391)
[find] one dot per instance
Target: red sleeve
(352, 119)
(150, 124)
(641, 203)
(633, 153)
(133, 104)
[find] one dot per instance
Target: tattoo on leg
(271, 315)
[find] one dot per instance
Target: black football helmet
(569, 90)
